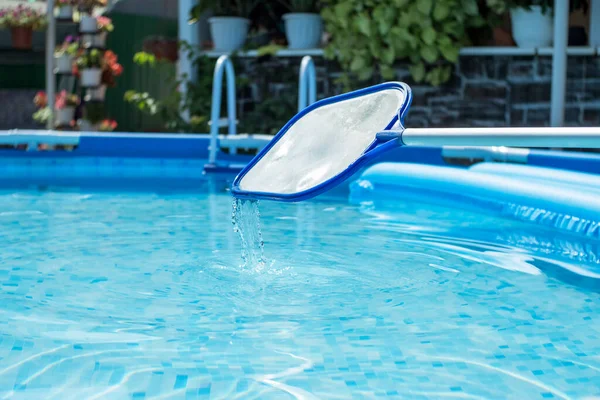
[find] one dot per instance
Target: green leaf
(469, 7)
(388, 55)
(363, 23)
(376, 48)
(387, 72)
(449, 51)
(440, 11)
(424, 6)
(400, 3)
(428, 35)
(342, 12)
(365, 74)
(357, 64)
(429, 53)
(417, 71)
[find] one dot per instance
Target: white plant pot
(228, 33)
(531, 28)
(64, 63)
(97, 94)
(91, 77)
(99, 40)
(303, 30)
(64, 116)
(88, 24)
(65, 12)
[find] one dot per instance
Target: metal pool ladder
(307, 85)
(307, 95)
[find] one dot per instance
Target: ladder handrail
(307, 83)
(223, 64)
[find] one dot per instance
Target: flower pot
(303, 30)
(87, 126)
(90, 77)
(96, 94)
(228, 33)
(64, 63)
(64, 116)
(22, 38)
(99, 40)
(532, 28)
(88, 24)
(65, 13)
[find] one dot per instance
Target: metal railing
(224, 65)
(307, 85)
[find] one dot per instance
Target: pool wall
(184, 156)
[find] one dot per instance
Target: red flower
(41, 99)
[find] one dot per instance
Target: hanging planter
(22, 21)
(99, 40)
(90, 77)
(64, 56)
(89, 67)
(63, 63)
(88, 24)
(65, 108)
(64, 116)
(96, 94)
(533, 27)
(65, 10)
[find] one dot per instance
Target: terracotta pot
(22, 38)
(162, 49)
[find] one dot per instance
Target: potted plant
(303, 25)
(104, 25)
(88, 22)
(107, 125)
(65, 107)
(41, 102)
(229, 25)
(111, 69)
(65, 54)
(22, 21)
(532, 21)
(89, 66)
(65, 9)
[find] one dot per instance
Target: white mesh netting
(323, 144)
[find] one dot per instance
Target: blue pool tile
(180, 382)
(204, 390)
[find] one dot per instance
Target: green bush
(369, 36)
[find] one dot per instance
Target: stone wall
(484, 90)
(17, 108)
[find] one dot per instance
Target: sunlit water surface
(145, 294)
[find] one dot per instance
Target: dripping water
(246, 223)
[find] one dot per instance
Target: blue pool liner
(552, 203)
(549, 176)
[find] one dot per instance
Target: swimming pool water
(141, 294)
